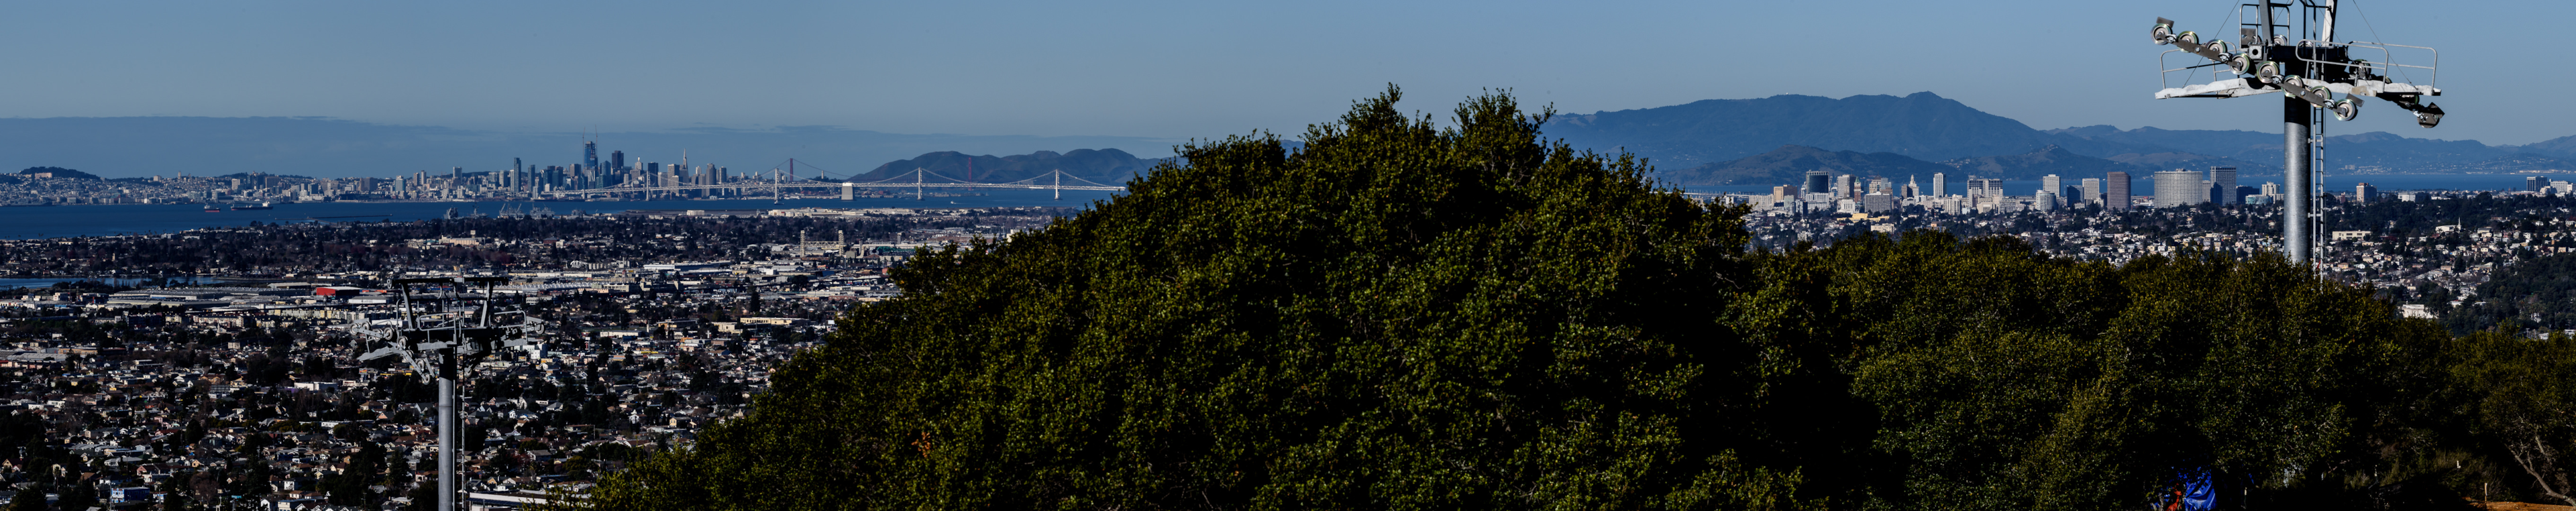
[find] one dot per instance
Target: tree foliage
(2001, 379)
(2537, 293)
(1402, 316)
(1396, 316)
(2514, 396)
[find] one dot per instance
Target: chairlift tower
(2290, 48)
(438, 333)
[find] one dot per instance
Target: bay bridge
(779, 181)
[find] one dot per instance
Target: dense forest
(1402, 316)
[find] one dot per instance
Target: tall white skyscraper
(1940, 185)
(2053, 185)
(2092, 190)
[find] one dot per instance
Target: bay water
(108, 220)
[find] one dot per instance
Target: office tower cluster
(652, 180)
(1825, 190)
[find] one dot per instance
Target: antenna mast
(2308, 67)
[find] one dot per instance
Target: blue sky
(1184, 69)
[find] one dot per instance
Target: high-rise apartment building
(1989, 189)
(2534, 183)
(2365, 192)
(2115, 191)
(2223, 180)
(2092, 192)
(2177, 188)
(2053, 185)
(1879, 203)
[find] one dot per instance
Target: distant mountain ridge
(1702, 141)
(1922, 126)
(1106, 166)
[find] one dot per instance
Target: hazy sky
(1188, 69)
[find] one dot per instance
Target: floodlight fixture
(2428, 116)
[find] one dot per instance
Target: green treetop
(1401, 316)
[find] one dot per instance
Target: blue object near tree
(2198, 492)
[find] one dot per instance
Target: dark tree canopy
(2536, 293)
(1399, 316)
(1396, 315)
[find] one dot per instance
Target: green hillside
(1106, 166)
(1401, 316)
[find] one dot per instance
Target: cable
(2193, 76)
(817, 168)
(2374, 36)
